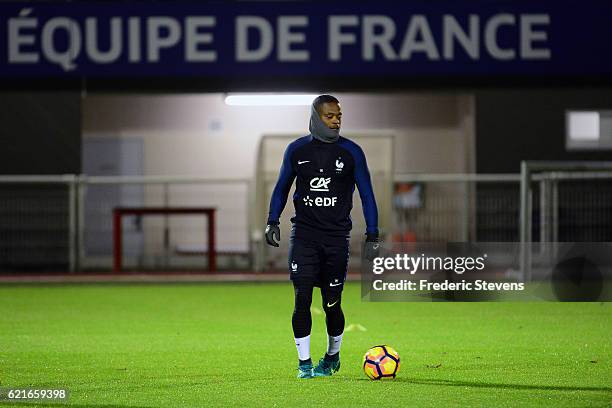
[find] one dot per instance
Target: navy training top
(326, 176)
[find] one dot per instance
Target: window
(588, 130)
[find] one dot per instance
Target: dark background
(529, 124)
(40, 132)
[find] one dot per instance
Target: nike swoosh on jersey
(304, 161)
(328, 305)
(335, 284)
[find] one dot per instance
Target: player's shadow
(453, 383)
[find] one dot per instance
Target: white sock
(303, 347)
(333, 344)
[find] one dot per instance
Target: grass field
(231, 345)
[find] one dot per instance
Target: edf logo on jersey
(320, 201)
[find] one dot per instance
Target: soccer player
(327, 167)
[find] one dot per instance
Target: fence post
(555, 217)
(117, 240)
(72, 223)
(525, 218)
(81, 183)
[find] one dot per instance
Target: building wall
(200, 135)
(203, 134)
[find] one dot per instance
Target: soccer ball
(381, 362)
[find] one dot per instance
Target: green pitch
(231, 345)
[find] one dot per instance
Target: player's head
(325, 118)
(329, 110)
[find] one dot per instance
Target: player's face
(331, 115)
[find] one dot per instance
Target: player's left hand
(371, 248)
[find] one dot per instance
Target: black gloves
(371, 248)
(370, 251)
(272, 231)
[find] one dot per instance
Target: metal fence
(37, 222)
(562, 202)
(64, 222)
(456, 207)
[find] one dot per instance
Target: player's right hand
(272, 234)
